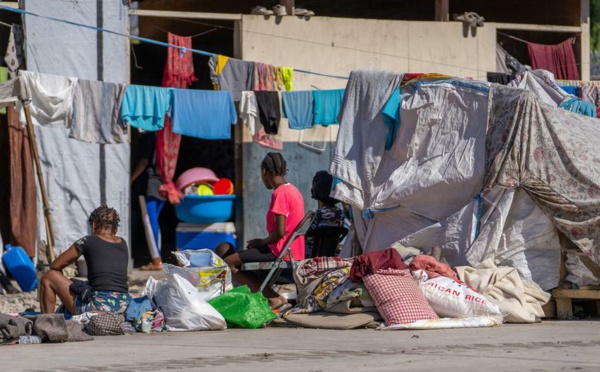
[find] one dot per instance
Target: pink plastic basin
(195, 175)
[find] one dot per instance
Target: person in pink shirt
(285, 212)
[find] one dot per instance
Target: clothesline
(525, 41)
(143, 39)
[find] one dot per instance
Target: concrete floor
(550, 346)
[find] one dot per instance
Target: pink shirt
(287, 201)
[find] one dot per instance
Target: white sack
(185, 309)
(449, 298)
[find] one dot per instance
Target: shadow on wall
(302, 165)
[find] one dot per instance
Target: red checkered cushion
(398, 297)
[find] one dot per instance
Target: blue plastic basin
(205, 209)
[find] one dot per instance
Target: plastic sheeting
(433, 169)
(553, 155)
(78, 179)
(63, 49)
(79, 176)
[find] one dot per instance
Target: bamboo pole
(40, 176)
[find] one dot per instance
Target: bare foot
(277, 302)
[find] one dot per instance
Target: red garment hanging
(179, 73)
(558, 59)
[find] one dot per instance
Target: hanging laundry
(298, 109)
(203, 113)
(249, 111)
(264, 77)
(145, 107)
(279, 78)
(3, 79)
(501, 55)
(270, 141)
(23, 192)
(361, 128)
(499, 78)
(96, 112)
(589, 93)
(288, 75)
(235, 75)
(167, 152)
(179, 69)
(268, 111)
(569, 89)
(580, 107)
(391, 117)
(51, 99)
(15, 55)
(178, 73)
(558, 59)
(327, 104)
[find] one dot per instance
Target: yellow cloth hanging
(221, 63)
(3, 79)
(279, 77)
(288, 74)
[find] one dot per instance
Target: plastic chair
(326, 240)
(279, 264)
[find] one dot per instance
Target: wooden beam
(584, 294)
(10, 4)
(188, 15)
(442, 10)
(290, 6)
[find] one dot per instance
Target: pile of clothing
(418, 290)
(47, 328)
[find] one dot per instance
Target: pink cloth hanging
(558, 59)
(179, 73)
(264, 77)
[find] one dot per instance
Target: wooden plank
(564, 308)
(549, 309)
(187, 15)
(290, 6)
(10, 4)
(585, 294)
(442, 9)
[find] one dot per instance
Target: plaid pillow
(107, 324)
(398, 298)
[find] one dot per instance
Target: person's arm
(139, 169)
(65, 259)
(274, 237)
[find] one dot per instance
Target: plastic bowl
(223, 186)
(205, 209)
(195, 175)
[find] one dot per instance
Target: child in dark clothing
(328, 214)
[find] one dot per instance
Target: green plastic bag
(242, 308)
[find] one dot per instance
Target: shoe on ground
(279, 10)
(261, 10)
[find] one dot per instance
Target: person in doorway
(151, 203)
(106, 256)
(285, 212)
(328, 214)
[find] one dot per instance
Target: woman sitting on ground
(285, 212)
(328, 214)
(106, 256)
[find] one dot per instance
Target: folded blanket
(11, 328)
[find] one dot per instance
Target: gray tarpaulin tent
(483, 171)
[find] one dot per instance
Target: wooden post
(290, 6)
(442, 9)
(40, 176)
